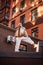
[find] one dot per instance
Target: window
(34, 14)
(35, 32)
(22, 19)
(13, 24)
(13, 10)
(31, 0)
(23, 47)
(8, 3)
(22, 4)
(7, 15)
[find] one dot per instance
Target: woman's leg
(18, 41)
(28, 39)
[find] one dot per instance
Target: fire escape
(4, 11)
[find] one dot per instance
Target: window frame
(35, 31)
(13, 24)
(22, 4)
(13, 10)
(22, 19)
(34, 14)
(22, 48)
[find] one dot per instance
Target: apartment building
(28, 12)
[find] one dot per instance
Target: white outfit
(22, 38)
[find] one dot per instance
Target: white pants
(18, 41)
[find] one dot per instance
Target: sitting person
(21, 35)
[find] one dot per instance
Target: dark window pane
(22, 4)
(34, 14)
(13, 10)
(7, 15)
(35, 32)
(23, 47)
(13, 24)
(22, 19)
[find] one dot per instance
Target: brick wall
(4, 32)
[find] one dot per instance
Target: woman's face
(20, 25)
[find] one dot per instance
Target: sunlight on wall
(33, 22)
(42, 0)
(32, 4)
(36, 3)
(13, 5)
(17, 1)
(17, 9)
(25, 5)
(13, 16)
(40, 11)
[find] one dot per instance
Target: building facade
(28, 12)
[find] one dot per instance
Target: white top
(22, 31)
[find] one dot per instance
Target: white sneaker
(17, 51)
(37, 47)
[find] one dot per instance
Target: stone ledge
(21, 54)
(6, 27)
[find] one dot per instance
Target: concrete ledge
(6, 27)
(20, 54)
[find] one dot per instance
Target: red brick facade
(27, 10)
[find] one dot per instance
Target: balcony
(39, 20)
